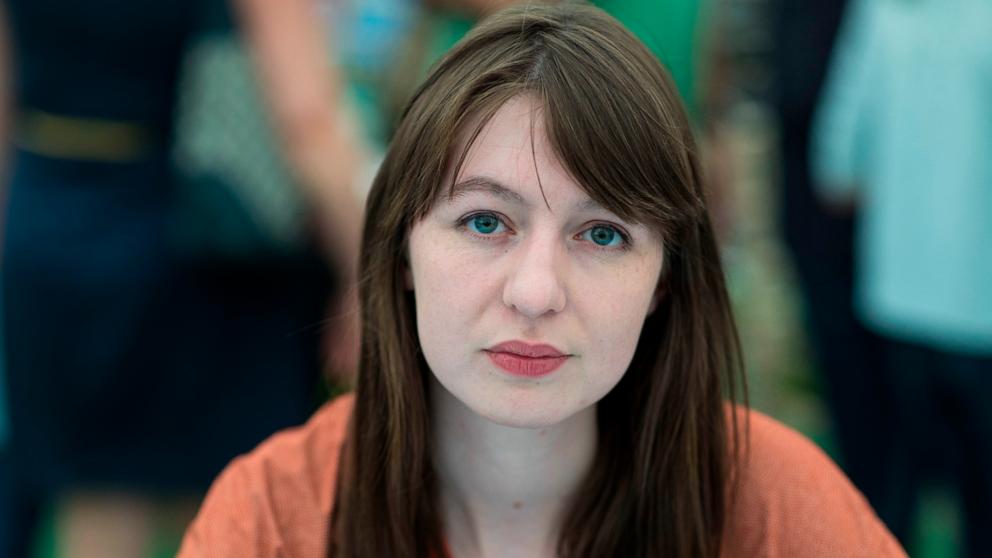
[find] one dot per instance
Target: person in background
(821, 242)
(132, 373)
(904, 134)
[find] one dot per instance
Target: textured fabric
(907, 118)
(277, 500)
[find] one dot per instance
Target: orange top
(276, 501)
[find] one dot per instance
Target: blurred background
(180, 190)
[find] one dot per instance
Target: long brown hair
(658, 486)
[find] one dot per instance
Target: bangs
(610, 111)
(617, 126)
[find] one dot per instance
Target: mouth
(523, 359)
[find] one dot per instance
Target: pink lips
(522, 359)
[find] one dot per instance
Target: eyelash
(624, 246)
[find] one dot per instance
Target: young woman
(547, 340)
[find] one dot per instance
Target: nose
(534, 285)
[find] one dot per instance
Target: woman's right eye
(484, 224)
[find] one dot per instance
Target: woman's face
(529, 307)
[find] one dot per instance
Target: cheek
(615, 318)
(450, 291)
(616, 333)
(444, 281)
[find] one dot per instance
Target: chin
(524, 412)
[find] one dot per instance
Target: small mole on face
(518, 505)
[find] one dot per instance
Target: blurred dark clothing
(847, 356)
(114, 59)
(131, 366)
(945, 430)
(127, 367)
(804, 34)
(19, 511)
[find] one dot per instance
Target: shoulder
(277, 499)
(790, 499)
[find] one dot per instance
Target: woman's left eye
(604, 235)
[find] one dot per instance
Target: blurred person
(547, 339)
(821, 243)
(133, 374)
(904, 134)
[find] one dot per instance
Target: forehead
(512, 158)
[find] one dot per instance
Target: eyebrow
(485, 185)
(491, 186)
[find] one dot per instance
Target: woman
(546, 340)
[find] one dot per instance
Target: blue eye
(484, 223)
(604, 236)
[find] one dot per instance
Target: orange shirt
(276, 501)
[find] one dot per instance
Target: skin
(510, 451)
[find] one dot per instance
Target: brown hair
(658, 486)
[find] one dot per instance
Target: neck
(503, 490)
